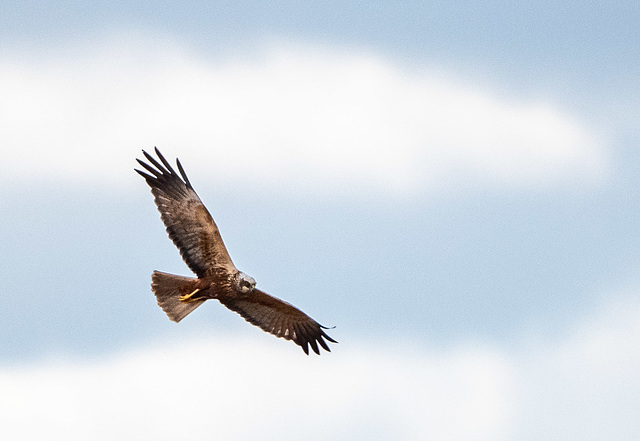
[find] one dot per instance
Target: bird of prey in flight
(193, 231)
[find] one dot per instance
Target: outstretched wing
(280, 319)
(189, 224)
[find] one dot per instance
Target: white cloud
(291, 117)
(239, 390)
(587, 385)
(584, 385)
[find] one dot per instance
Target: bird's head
(245, 283)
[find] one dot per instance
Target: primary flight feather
(194, 232)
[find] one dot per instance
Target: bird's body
(195, 233)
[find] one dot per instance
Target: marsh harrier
(193, 231)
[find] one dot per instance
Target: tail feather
(168, 288)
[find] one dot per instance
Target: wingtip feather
(183, 173)
(314, 346)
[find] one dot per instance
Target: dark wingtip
(329, 338)
(159, 174)
(314, 339)
(324, 345)
(164, 161)
(314, 346)
(141, 173)
(324, 334)
(182, 172)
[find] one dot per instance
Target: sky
(452, 186)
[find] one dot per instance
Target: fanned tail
(168, 288)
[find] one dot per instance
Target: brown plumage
(194, 232)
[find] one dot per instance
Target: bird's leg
(189, 297)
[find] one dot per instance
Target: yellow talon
(189, 297)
